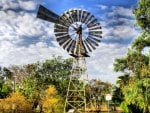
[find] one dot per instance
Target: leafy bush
(52, 102)
(15, 102)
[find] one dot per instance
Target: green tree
(135, 88)
(32, 79)
(56, 72)
(142, 14)
(5, 83)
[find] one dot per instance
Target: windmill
(78, 32)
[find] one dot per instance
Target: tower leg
(76, 98)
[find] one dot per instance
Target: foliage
(5, 83)
(96, 91)
(38, 76)
(16, 102)
(4, 89)
(5, 74)
(56, 72)
(142, 14)
(134, 87)
(52, 102)
(135, 83)
(28, 87)
(117, 96)
(99, 87)
(142, 41)
(137, 93)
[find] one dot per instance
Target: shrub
(52, 102)
(15, 102)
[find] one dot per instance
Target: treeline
(42, 87)
(36, 86)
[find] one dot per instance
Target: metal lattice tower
(78, 32)
(75, 98)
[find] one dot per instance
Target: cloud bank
(25, 39)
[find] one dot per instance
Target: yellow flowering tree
(52, 102)
(15, 102)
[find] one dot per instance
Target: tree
(5, 83)
(52, 102)
(15, 103)
(39, 75)
(136, 87)
(56, 72)
(142, 14)
(95, 93)
(137, 94)
(33, 79)
(28, 87)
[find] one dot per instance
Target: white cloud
(122, 11)
(27, 5)
(8, 4)
(103, 7)
(16, 25)
(18, 55)
(120, 32)
(100, 64)
(118, 24)
(18, 4)
(19, 26)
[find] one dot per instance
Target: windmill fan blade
(85, 50)
(99, 36)
(60, 26)
(87, 46)
(45, 14)
(80, 15)
(73, 46)
(93, 23)
(59, 35)
(63, 40)
(91, 17)
(91, 20)
(69, 19)
(85, 16)
(80, 48)
(60, 30)
(65, 18)
(66, 44)
(69, 46)
(88, 18)
(74, 15)
(95, 39)
(92, 42)
(70, 16)
(63, 22)
(95, 28)
(94, 32)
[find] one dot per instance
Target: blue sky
(25, 39)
